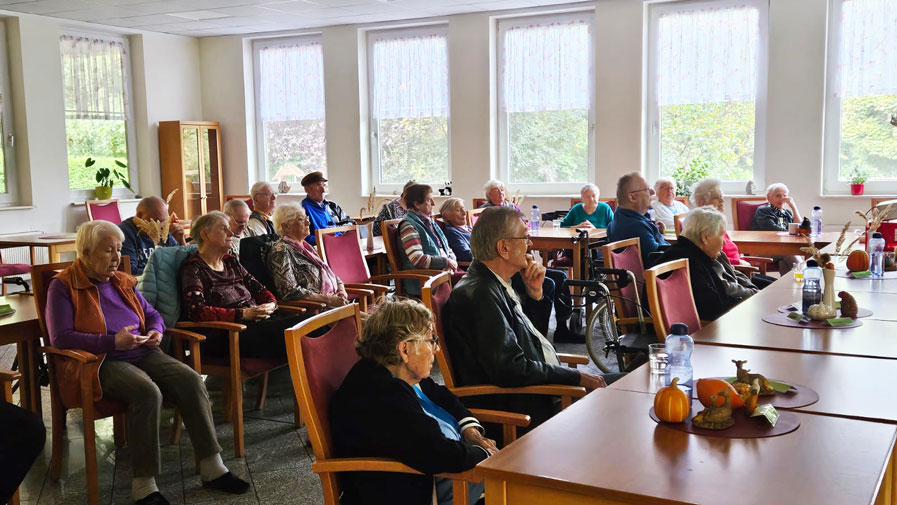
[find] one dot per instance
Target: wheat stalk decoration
(155, 230)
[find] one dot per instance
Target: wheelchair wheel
(601, 336)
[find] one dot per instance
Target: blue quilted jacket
(161, 280)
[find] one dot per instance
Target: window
(9, 186)
(97, 109)
(706, 83)
(861, 96)
(409, 107)
(545, 117)
(290, 108)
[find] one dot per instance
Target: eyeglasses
(433, 342)
(528, 240)
(649, 190)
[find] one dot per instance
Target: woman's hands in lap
(473, 436)
(259, 312)
(125, 340)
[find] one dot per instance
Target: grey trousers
(142, 386)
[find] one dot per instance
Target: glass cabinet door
(193, 197)
(211, 170)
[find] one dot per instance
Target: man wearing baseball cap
(321, 213)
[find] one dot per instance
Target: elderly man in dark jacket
(492, 328)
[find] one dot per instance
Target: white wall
(166, 85)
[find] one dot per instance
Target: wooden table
(887, 285)
(378, 253)
(56, 243)
(23, 329)
(605, 449)
(548, 239)
(776, 243)
(847, 386)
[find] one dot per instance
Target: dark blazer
(715, 285)
(374, 414)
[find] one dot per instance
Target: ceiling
(204, 18)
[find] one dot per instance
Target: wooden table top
(22, 323)
(848, 386)
(887, 285)
(378, 247)
(779, 237)
(548, 232)
(606, 445)
(37, 239)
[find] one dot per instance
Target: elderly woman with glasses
(715, 285)
(297, 270)
(496, 195)
(93, 306)
(387, 406)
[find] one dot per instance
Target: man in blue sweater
(322, 213)
(137, 245)
(630, 219)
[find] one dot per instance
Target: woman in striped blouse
(423, 245)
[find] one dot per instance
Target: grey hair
(662, 180)
(204, 223)
(774, 186)
(286, 214)
(258, 187)
(623, 184)
(704, 190)
(703, 220)
(588, 187)
(232, 206)
(494, 224)
(391, 323)
(91, 232)
(492, 184)
(449, 204)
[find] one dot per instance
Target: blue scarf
(447, 423)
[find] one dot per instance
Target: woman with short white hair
(589, 213)
(93, 306)
(496, 195)
(715, 285)
(666, 206)
(773, 216)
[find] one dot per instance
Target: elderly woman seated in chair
(388, 407)
(294, 265)
(716, 286)
(93, 306)
(423, 245)
(216, 287)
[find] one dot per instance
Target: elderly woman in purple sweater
(94, 307)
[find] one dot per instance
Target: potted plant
(858, 181)
(686, 176)
(106, 178)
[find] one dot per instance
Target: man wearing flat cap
(321, 213)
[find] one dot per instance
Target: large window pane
(413, 149)
(548, 146)
(103, 140)
(294, 148)
(868, 140)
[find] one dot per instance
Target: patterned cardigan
(296, 276)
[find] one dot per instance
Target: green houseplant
(687, 176)
(106, 178)
(858, 180)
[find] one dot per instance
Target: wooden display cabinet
(190, 160)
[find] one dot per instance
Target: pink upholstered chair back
(625, 254)
(435, 294)
(342, 251)
(745, 211)
(671, 298)
(103, 210)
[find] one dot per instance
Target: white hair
(205, 222)
(662, 180)
(449, 204)
(774, 186)
(492, 184)
(258, 187)
(703, 221)
(588, 187)
(286, 214)
(92, 232)
(704, 190)
(232, 206)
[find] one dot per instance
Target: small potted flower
(858, 181)
(106, 179)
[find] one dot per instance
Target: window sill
(79, 203)
(17, 207)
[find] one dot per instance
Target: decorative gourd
(821, 312)
(671, 404)
(858, 261)
(709, 387)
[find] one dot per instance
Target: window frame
(831, 166)
(260, 144)
(651, 105)
(373, 133)
(7, 129)
(503, 170)
(118, 191)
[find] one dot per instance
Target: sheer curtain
(94, 77)
(546, 65)
(868, 52)
(291, 81)
(409, 74)
(708, 55)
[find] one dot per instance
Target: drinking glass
(658, 358)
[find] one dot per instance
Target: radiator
(22, 255)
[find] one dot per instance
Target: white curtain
(868, 52)
(708, 55)
(95, 78)
(291, 81)
(546, 65)
(409, 75)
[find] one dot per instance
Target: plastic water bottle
(812, 294)
(876, 254)
(816, 221)
(535, 218)
(679, 346)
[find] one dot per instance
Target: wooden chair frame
(476, 202)
(326, 465)
(87, 361)
(735, 200)
(470, 215)
(6, 378)
(623, 317)
(369, 292)
(392, 257)
(651, 275)
(567, 393)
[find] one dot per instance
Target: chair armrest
(380, 289)
(75, 354)
(213, 325)
(746, 270)
(401, 275)
(9, 375)
(573, 359)
(501, 417)
(308, 304)
(757, 259)
(289, 307)
(464, 263)
(188, 336)
(382, 465)
(547, 389)
(360, 292)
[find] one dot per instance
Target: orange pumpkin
(709, 387)
(858, 261)
(671, 404)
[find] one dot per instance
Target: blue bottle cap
(679, 329)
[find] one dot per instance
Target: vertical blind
(868, 52)
(708, 55)
(94, 77)
(409, 74)
(291, 81)
(546, 65)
